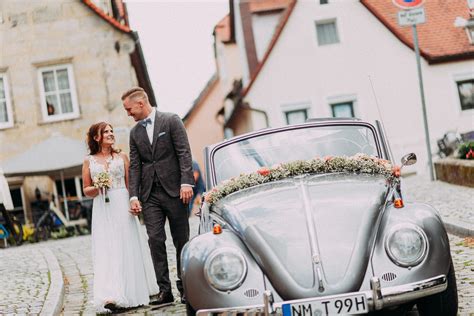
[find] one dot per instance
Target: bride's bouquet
(103, 182)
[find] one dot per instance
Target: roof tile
(438, 38)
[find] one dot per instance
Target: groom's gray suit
(157, 172)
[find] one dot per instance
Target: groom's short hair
(135, 93)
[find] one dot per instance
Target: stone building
(63, 67)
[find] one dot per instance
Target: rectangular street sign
(411, 17)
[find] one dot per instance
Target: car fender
(437, 259)
(199, 292)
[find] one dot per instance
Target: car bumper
(377, 298)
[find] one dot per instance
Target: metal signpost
(412, 14)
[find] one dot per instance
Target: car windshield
(248, 155)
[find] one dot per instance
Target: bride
(123, 269)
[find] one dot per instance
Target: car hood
(311, 235)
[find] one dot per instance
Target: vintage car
(309, 219)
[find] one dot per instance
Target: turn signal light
(398, 203)
(217, 229)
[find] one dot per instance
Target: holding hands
(135, 207)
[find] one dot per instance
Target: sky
(176, 38)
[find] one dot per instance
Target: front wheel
(444, 303)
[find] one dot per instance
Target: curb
(54, 299)
(458, 228)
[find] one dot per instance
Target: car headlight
(406, 245)
(225, 269)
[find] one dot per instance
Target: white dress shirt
(150, 127)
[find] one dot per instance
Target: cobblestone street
(28, 272)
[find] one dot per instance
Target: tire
(444, 303)
(190, 310)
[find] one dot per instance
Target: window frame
(8, 104)
(72, 89)
(327, 21)
(294, 107)
(458, 93)
(342, 98)
(304, 110)
(333, 105)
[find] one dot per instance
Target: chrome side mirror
(408, 159)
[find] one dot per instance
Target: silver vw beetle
(309, 219)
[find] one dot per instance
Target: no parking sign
(408, 4)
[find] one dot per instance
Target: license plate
(350, 304)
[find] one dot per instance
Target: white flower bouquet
(103, 182)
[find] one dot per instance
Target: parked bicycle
(54, 222)
(12, 225)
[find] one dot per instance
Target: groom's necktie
(145, 122)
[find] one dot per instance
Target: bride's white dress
(123, 269)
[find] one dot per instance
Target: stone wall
(36, 34)
(455, 171)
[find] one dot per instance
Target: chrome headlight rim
(396, 260)
(213, 255)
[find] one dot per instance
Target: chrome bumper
(377, 298)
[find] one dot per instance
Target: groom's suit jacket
(169, 157)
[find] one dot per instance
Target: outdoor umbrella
(5, 196)
(56, 156)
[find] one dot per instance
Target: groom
(160, 182)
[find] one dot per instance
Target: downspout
(246, 106)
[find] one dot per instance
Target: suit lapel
(157, 128)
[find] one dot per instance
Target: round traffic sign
(408, 4)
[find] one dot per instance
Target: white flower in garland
(359, 163)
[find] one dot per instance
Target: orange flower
(396, 171)
(327, 158)
(264, 171)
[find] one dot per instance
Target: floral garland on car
(359, 163)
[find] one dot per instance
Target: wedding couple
(157, 182)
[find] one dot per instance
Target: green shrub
(466, 151)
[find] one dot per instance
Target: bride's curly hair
(97, 129)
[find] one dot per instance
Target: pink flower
(264, 171)
(470, 154)
(328, 158)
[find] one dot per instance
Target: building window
(343, 109)
(6, 119)
(323, 1)
(296, 116)
(58, 93)
(327, 32)
(466, 94)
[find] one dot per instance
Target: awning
(57, 157)
(49, 157)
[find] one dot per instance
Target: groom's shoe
(163, 298)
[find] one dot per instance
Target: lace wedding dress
(123, 269)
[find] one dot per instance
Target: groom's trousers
(159, 207)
